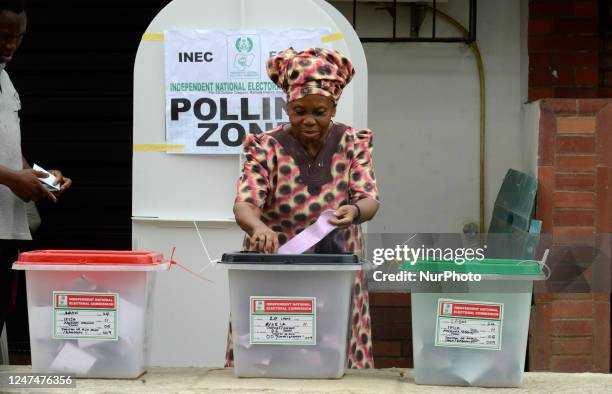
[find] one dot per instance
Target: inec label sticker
(468, 324)
(283, 320)
(79, 315)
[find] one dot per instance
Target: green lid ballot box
(470, 332)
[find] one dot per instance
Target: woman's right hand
(264, 240)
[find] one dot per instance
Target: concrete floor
(201, 380)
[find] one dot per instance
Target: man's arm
(25, 183)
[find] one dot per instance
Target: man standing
(19, 183)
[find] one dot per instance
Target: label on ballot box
(469, 324)
(79, 315)
(283, 320)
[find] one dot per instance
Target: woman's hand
(264, 240)
(344, 216)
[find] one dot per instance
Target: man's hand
(26, 185)
(344, 216)
(264, 240)
(61, 180)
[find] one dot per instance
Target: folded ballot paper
(49, 181)
(71, 359)
(310, 236)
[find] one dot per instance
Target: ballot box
(89, 311)
(290, 313)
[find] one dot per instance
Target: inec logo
(244, 56)
(244, 44)
(62, 301)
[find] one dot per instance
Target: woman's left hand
(344, 216)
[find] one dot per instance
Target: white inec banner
(217, 87)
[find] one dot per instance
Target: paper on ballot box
(72, 359)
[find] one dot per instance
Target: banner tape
(153, 37)
(324, 39)
(158, 148)
(332, 37)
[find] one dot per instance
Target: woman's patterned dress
(292, 189)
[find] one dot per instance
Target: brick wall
(391, 330)
(563, 49)
(570, 332)
(605, 54)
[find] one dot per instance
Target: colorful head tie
(313, 71)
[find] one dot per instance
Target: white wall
(529, 137)
(424, 110)
(171, 192)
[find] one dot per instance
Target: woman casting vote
(295, 172)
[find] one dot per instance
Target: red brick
(560, 107)
(539, 9)
(383, 315)
(586, 43)
(546, 44)
(539, 337)
(407, 348)
(392, 331)
(538, 27)
(604, 200)
(563, 92)
(575, 163)
(572, 296)
(580, 182)
(548, 126)
(604, 92)
(571, 60)
(390, 299)
(601, 337)
(574, 255)
(571, 363)
(576, 26)
(539, 78)
(576, 124)
(573, 230)
(605, 58)
(586, 8)
(587, 77)
(566, 144)
(592, 106)
(574, 200)
(574, 218)
(393, 362)
(563, 308)
(573, 235)
(604, 136)
(607, 78)
(540, 60)
(540, 298)
(544, 197)
(386, 348)
(540, 93)
(581, 327)
(572, 346)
